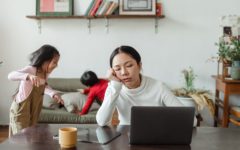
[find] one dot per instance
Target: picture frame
(137, 7)
(54, 7)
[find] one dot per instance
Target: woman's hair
(127, 50)
(43, 54)
(89, 78)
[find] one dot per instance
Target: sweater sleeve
(88, 103)
(21, 74)
(168, 98)
(86, 91)
(107, 108)
(49, 91)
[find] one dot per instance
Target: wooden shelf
(98, 17)
(40, 18)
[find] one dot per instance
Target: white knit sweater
(150, 93)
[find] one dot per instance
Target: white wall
(186, 38)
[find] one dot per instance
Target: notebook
(161, 125)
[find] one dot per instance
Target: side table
(228, 87)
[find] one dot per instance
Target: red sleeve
(88, 103)
(86, 91)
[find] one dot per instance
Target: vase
(235, 70)
(188, 102)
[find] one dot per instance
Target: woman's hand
(58, 99)
(111, 75)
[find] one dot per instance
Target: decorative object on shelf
(159, 9)
(235, 70)
(104, 9)
(230, 25)
(137, 7)
(191, 96)
(228, 46)
(228, 53)
(54, 7)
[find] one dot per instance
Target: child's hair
(43, 54)
(38, 57)
(89, 78)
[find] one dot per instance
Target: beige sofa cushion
(65, 84)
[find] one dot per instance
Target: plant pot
(235, 70)
(187, 101)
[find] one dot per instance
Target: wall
(186, 38)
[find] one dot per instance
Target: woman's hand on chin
(111, 75)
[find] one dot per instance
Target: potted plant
(229, 51)
(190, 96)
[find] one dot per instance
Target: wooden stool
(235, 115)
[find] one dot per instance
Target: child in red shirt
(96, 89)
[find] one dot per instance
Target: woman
(128, 87)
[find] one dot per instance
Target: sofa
(52, 113)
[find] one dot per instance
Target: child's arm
(21, 74)
(27, 73)
(86, 91)
(88, 103)
(54, 94)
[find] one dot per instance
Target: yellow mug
(68, 137)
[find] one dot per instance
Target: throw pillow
(49, 103)
(77, 100)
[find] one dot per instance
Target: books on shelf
(112, 8)
(101, 8)
(95, 7)
(89, 7)
(104, 8)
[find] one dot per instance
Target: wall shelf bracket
(89, 26)
(107, 25)
(39, 25)
(156, 25)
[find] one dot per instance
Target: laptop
(161, 125)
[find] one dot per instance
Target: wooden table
(228, 87)
(40, 137)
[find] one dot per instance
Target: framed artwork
(137, 7)
(54, 7)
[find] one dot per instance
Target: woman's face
(127, 70)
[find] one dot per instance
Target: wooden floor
(3, 133)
